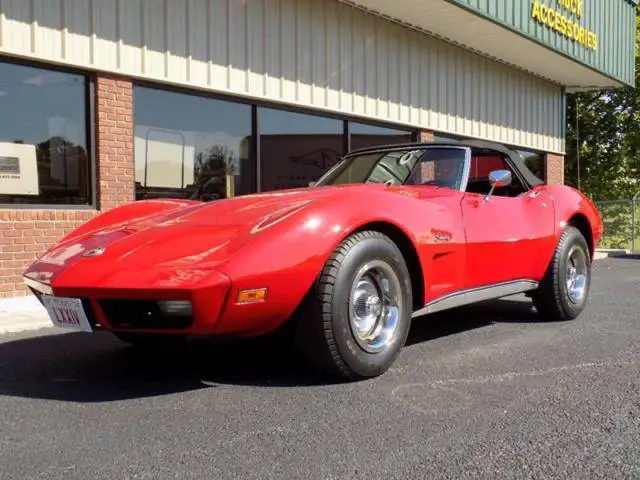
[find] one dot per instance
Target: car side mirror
(498, 178)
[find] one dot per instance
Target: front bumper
(139, 310)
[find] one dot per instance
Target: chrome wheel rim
(375, 304)
(576, 280)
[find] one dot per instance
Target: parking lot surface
(486, 391)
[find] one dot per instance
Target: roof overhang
(466, 29)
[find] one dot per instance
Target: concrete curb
(600, 254)
(21, 314)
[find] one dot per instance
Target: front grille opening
(135, 314)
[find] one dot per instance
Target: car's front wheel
(356, 319)
(564, 291)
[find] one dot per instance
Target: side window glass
(441, 167)
(482, 164)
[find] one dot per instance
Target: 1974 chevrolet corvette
(388, 234)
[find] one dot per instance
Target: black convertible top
(514, 158)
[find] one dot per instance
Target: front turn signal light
(252, 296)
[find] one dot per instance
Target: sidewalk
(22, 313)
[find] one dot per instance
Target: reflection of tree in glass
(211, 172)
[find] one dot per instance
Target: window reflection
(296, 148)
(187, 146)
(363, 135)
(44, 157)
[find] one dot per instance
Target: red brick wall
(26, 234)
(554, 168)
(425, 136)
(114, 142)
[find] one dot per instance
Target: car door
(507, 237)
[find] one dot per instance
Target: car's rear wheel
(355, 321)
(564, 291)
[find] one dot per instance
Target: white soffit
(468, 30)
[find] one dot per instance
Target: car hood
(204, 234)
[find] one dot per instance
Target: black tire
(552, 299)
(150, 341)
(323, 327)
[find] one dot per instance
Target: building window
(44, 154)
(363, 135)
(296, 148)
(188, 146)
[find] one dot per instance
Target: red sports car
(388, 234)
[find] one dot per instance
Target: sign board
(18, 169)
(565, 18)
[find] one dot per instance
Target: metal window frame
(257, 104)
(90, 133)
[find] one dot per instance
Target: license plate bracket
(67, 313)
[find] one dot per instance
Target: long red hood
(182, 237)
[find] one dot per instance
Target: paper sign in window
(18, 169)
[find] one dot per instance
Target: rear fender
(572, 206)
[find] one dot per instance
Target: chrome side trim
(466, 171)
(41, 287)
(474, 295)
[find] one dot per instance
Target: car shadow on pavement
(462, 319)
(80, 367)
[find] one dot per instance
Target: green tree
(602, 127)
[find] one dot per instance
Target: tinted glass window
(188, 146)
(297, 148)
(44, 157)
(363, 135)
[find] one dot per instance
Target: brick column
(554, 168)
(114, 141)
(27, 234)
(425, 136)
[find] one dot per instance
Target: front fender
(287, 258)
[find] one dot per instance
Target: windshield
(439, 166)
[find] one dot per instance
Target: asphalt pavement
(483, 392)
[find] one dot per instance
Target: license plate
(67, 313)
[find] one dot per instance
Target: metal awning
(460, 26)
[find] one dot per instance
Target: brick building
(112, 101)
